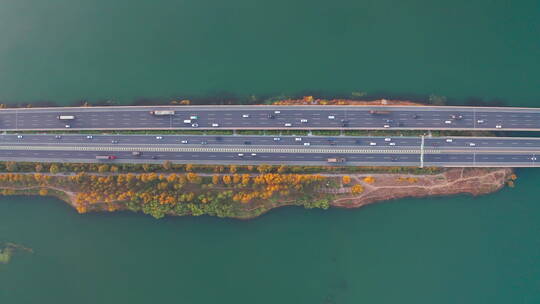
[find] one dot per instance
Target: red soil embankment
(474, 181)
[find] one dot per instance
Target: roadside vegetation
(167, 167)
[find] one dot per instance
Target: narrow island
(241, 191)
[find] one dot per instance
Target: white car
(447, 122)
(193, 117)
(386, 126)
(277, 139)
(533, 158)
(388, 139)
(194, 125)
(472, 144)
(253, 154)
(331, 117)
(498, 126)
(89, 136)
(298, 139)
(480, 121)
(277, 112)
(307, 144)
(245, 115)
(372, 143)
(288, 125)
(19, 136)
(215, 125)
(159, 137)
(303, 120)
(240, 154)
(449, 140)
(68, 126)
(392, 144)
(184, 141)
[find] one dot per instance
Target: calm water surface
(439, 250)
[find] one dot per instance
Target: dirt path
(452, 181)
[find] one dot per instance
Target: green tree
(54, 169)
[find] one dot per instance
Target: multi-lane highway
(308, 150)
(273, 117)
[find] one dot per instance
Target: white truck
(106, 157)
(162, 112)
(336, 160)
(65, 117)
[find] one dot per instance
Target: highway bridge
(291, 150)
(272, 117)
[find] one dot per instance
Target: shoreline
(275, 101)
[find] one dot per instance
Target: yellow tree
(356, 189)
(346, 179)
(369, 179)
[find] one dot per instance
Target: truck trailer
(106, 157)
(65, 117)
(336, 160)
(379, 112)
(162, 112)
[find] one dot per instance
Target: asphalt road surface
(291, 150)
(273, 117)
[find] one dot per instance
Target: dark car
(247, 142)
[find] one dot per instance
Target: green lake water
(456, 249)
